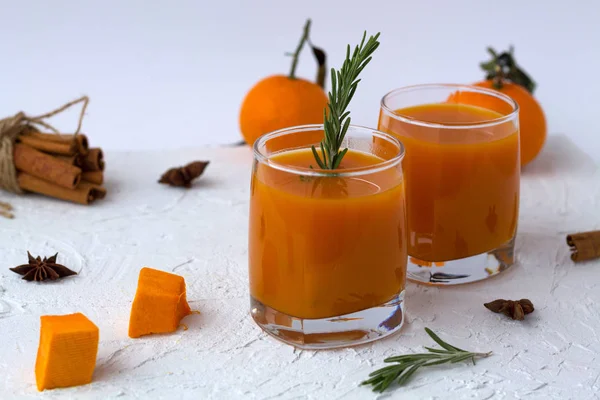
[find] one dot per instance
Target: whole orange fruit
(281, 101)
(504, 75)
(532, 121)
(278, 102)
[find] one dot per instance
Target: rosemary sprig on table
(343, 86)
(406, 365)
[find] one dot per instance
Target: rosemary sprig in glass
(406, 365)
(343, 86)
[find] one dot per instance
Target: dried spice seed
(511, 308)
(183, 176)
(40, 270)
(527, 306)
(496, 305)
(517, 312)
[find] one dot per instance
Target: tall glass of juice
(327, 248)
(462, 179)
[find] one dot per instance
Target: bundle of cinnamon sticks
(59, 165)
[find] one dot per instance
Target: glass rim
(471, 88)
(349, 172)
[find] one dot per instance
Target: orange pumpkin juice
(462, 182)
(324, 246)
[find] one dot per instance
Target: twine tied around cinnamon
(12, 127)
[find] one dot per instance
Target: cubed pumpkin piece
(159, 303)
(67, 351)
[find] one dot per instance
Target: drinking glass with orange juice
(462, 179)
(327, 248)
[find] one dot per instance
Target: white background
(172, 74)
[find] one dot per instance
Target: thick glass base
(327, 333)
(464, 270)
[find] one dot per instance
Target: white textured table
(202, 233)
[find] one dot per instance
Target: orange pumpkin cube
(159, 303)
(67, 351)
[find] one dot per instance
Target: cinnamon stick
(45, 166)
(584, 245)
(71, 160)
(99, 191)
(50, 143)
(95, 177)
(93, 160)
(49, 146)
(85, 193)
(80, 139)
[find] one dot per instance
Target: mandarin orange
(282, 101)
(504, 75)
(532, 121)
(278, 102)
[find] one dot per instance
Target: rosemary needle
(406, 365)
(343, 86)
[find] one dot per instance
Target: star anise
(40, 270)
(183, 176)
(515, 309)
